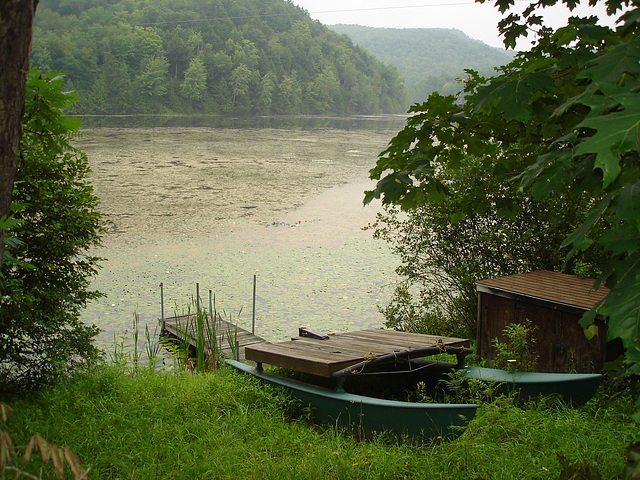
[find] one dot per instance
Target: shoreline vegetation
(125, 418)
(239, 57)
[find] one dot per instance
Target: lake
(216, 201)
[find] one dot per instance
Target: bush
(447, 246)
(46, 281)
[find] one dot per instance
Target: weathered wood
(185, 328)
(306, 332)
(554, 287)
(324, 357)
(406, 338)
(350, 345)
(282, 356)
(388, 339)
(460, 352)
(554, 303)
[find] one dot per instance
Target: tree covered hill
(208, 56)
(428, 59)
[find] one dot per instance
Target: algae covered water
(218, 204)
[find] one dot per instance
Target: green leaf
(394, 186)
(548, 173)
(621, 239)
(369, 195)
(579, 238)
(622, 305)
(616, 134)
(611, 66)
(591, 331)
(457, 217)
(631, 18)
(627, 206)
(413, 198)
(512, 97)
(588, 317)
(566, 106)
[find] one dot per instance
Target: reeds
(132, 353)
(201, 336)
(198, 340)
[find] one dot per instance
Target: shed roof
(549, 286)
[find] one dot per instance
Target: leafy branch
(567, 115)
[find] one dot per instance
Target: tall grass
(202, 336)
(130, 352)
(224, 425)
(129, 419)
(199, 346)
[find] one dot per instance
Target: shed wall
(560, 340)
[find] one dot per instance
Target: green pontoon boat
(574, 388)
(360, 379)
(437, 421)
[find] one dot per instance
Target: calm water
(215, 201)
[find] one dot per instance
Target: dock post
(163, 323)
(253, 315)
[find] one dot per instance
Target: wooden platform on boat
(323, 357)
(185, 328)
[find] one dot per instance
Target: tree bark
(16, 31)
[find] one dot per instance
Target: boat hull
(574, 388)
(436, 421)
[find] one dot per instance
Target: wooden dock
(227, 335)
(327, 355)
(312, 353)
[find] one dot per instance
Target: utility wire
(248, 17)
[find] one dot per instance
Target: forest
(428, 59)
(208, 56)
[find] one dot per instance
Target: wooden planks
(185, 328)
(324, 357)
(305, 354)
(549, 286)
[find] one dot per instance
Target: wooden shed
(554, 302)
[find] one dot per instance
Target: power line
(395, 7)
(249, 17)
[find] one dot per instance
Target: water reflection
(293, 122)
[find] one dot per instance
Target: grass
(223, 425)
(128, 418)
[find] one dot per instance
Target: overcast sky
(477, 21)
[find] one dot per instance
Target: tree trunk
(16, 29)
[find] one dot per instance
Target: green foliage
(9, 223)
(209, 56)
(130, 358)
(517, 353)
(415, 312)
(153, 75)
(461, 389)
(195, 80)
(226, 425)
(212, 334)
(44, 290)
(562, 118)
(483, 228)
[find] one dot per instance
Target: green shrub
(517, 352)
(46, 285)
